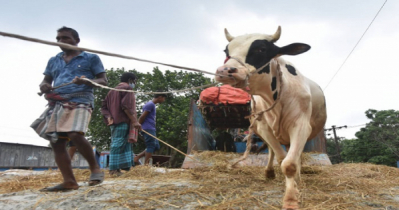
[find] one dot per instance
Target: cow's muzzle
(224, 72)
(230, 75)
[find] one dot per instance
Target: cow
(287, 107)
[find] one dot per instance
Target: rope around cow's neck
(258, 114)
(279, 75)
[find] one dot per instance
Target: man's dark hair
(162, 94)
(126, 76)
(73, 31)
(159, 95)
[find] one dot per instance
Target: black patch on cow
(291, 69)
(275, 95)
(227, 51)
(260, 52)
(274, 83)
(265, 70)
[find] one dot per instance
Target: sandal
(96, 178)
(57, 188)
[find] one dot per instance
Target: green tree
(332, 150)
(378, 142)
(172, 115)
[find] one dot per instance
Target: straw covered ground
(342, 186)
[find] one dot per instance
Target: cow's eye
(262, 50)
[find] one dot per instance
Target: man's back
(149, 121)
(116, 102)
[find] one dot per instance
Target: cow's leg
(291, 165)
(270, 166)
(275, 150)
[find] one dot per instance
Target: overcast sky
(190, 33)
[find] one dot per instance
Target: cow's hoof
(270, 174)
(290, 205)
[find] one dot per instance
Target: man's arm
(101, 79)
(128, 105)
(45, 85)
(143, 116)
(133, 119)
(105, 112)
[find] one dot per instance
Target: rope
(71, 47)
(170, 146)
(280, 75)
(132, 91)
(56, 87)
(123, 90)
(102, 86)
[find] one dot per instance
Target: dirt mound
(342, 186)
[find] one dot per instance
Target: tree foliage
(172, 115)
(332, 150)
(378, 142)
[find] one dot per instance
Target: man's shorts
(64, 135)
(151, 143)
(71, 144)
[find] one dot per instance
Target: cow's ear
(294, 49)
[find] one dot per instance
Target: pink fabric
(116, 102)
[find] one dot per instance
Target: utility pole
(337, 144)
(333, 128)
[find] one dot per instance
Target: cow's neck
(266, 84)
(261, 85)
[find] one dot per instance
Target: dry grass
(342, 186)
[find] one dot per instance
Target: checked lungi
(62, 117)
(121, 155)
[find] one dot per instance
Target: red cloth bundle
(225, 95)
(133, 134)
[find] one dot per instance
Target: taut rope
(123, 90)
(71, 47)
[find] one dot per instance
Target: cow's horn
(228, 36)
(276, 35)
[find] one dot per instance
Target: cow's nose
(232, 70)
(225, 70)
(220, 70)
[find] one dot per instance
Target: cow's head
(247, 53)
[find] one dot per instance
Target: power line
(355, 46)
(354, 126)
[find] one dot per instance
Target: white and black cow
(298, 105)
